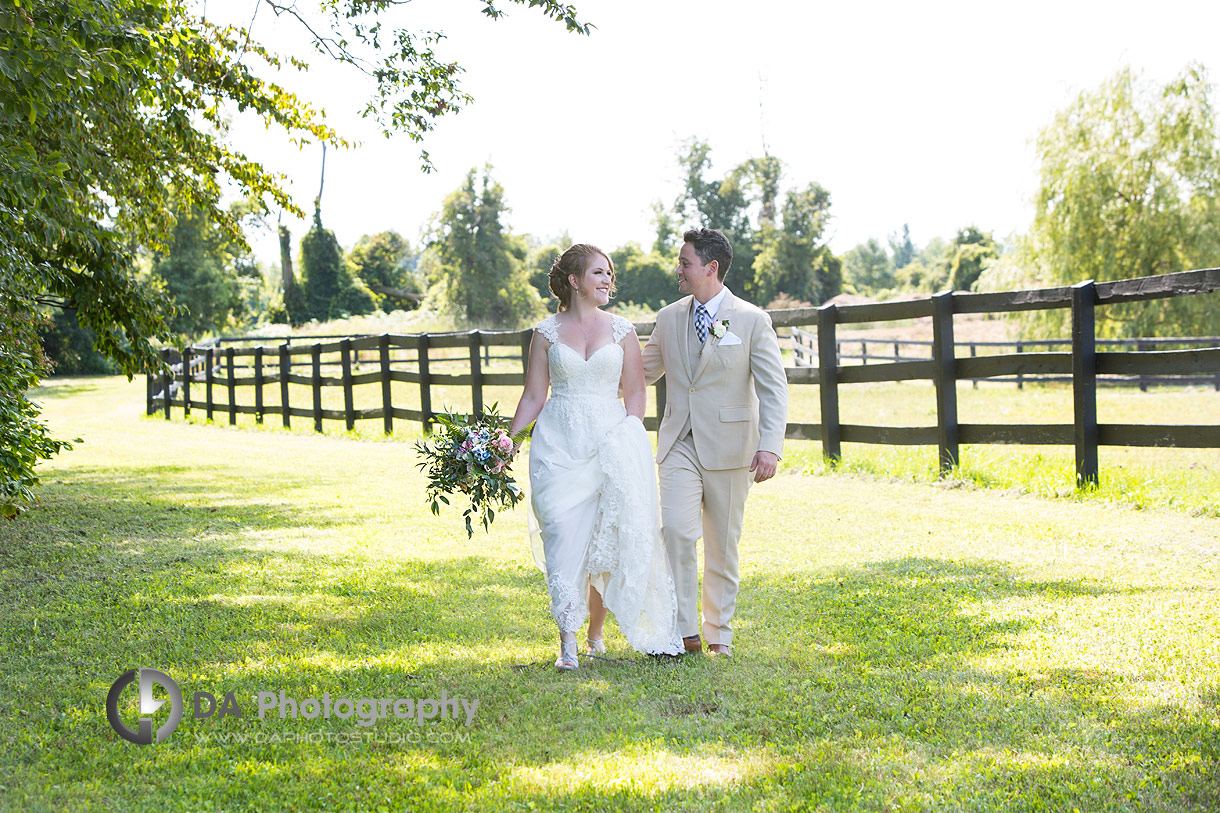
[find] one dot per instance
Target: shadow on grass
(868, 687)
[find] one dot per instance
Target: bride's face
(595, 284)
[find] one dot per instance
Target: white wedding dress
(594, 498)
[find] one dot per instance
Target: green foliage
(668, 238)
(24, 440)
(902, 249)
(296, 308)
(792, 259)
(968, 255)
(476, 269)
(774, 251)
(1130, 187)
(386, 264)
(644, 278)
(868, 269)
(201, 271)
(538, 266)
(328, 289)
(70, 347)
(928, 272)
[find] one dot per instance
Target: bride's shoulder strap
(549, 328)
(620, 327)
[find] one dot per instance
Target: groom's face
(692, 273)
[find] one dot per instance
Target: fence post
(1084, 381)
(1020, 378)
(186, 382)
(387, 408)
(526, 337)
(258, 384)
(476, 374)
(166, 379)
(148, 380)
(349, 410)
(1140, 346)
(425, 385)
(828, 383)
(973, 353)
(315, 355)
(285, 370)
(945, 376)
(209, 378)
(232, 388)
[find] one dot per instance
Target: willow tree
(1130, 187)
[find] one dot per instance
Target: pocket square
(729, 338)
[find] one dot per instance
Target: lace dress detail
(594, 517)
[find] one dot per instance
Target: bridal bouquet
(471, 455)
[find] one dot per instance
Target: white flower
(718, 329)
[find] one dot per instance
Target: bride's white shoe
(567, 656)
(596, 647)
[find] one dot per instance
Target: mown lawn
(902, 645)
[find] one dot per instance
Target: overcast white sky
(919, 113)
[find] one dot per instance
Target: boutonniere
(718, 329)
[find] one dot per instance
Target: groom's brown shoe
(720, 650)
(692, 643)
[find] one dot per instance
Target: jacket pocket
(736, 413)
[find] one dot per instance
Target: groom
(725, 414)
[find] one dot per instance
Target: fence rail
(805, 354)
(819, 362)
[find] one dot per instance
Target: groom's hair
(711, 244)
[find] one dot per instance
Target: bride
(592, 477)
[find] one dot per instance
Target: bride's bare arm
(537, 382)
(632, 383)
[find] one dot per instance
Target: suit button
(692, 389)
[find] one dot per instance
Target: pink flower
(499, 467)
(504, 443)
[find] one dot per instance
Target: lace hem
(628, 550)
(569, 606)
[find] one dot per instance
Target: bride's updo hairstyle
(574, 261)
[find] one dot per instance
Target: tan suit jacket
(735, 395)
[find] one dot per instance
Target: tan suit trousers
(697, 502)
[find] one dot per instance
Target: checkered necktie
(702, 321)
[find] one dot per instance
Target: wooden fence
(805, 354)
(213, 366)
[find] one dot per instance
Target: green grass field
(902, 645)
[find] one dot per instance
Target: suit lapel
(725, 312)
(684, 326)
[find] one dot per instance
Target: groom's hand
(763, 466)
